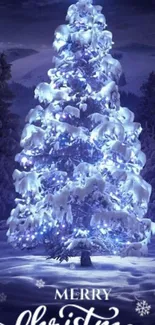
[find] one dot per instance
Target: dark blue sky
(146, 3)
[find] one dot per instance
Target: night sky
(18, 16)
(140, 3)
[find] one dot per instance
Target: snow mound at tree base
(127, 277)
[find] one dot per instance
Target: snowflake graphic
(72, 266)
(40, 284)
(3, 297)
(77, 294)
(143, 308)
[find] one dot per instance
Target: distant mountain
(39, 3)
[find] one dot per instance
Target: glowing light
(50, 224)
(57, 116)
(24, 160)
(103, 231)
(29, 152)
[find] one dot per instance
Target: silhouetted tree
(8, 140)
(132, 101)
(147, 104)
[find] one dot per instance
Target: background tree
(148, 146)
(80, 188)
(8, 140)
(147, 104)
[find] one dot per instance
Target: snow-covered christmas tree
(80, 190)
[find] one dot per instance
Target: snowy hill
(31, 70)
(20, 271)
(17, 53)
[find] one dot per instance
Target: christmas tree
(80, 189)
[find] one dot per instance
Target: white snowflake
(143, 308)
(3, 297)
(72, 266)
(77, 294)
(40, 284)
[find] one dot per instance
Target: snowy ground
(131, 279)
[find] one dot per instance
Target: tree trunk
(85, 258)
